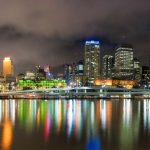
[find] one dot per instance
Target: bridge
(78, 92)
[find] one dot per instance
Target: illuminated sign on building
(92, 42)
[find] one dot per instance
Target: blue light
(92, 42)
(93, 143)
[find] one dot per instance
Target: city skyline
(74, 74)
(40, 34)
(60, 68)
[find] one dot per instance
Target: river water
(75, 124)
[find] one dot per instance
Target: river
(75, 124)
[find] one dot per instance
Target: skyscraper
(137, 70)
(67, 73)
(145, 75)
(91, 61)
(79, 73)
(8, 68)
(40, 73)
(108, 64)
(124, 68)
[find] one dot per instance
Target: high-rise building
(8, 67)
(108, 65)
(40, 73)
(48, 72)
(67, 73)
(124, 68)
(145, 75)
(79, 73)
(91, 62)
(137, 70)
(73, 73)
(79, 67)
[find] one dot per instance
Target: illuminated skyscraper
(79, 73)
(108, 64)
(8, 67)
(124, 68)
(146, 76)
(91, 61)
(137, 70)
(67, 73)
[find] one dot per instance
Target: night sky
(52, 32)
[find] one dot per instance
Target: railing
(80, 91)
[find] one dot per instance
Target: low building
(27, 84)
(117, 83)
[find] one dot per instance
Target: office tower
(79, 73)
(124, 62)
(145, 75)
(8, 67)
(67, 73)
(73, 73)
(91, 62)
(48, 71)
(40, 73)
(108, 65)
(137, 70)
(79, 67)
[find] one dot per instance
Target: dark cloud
(52, 31)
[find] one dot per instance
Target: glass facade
(92, 61)
(108, 64)
(137, 70)
(124, 68)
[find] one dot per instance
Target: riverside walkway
(77, 92)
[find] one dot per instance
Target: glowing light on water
(59, 116)
(70, 119)
(7, 135)
(12, 111)
(146, 108)
(127, 111)
(103, 114)
(1, 111)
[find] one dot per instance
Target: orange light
(7, 135)
(97, 82)
(103, 82)
(123, 83)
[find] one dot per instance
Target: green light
(40, 83)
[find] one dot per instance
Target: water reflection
(146, 108)
(7, 134)
(106, 114)
(110, 124)
(93, 144)
(7, 119)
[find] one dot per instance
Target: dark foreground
(75, 124)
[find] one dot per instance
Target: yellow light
(7, 59)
